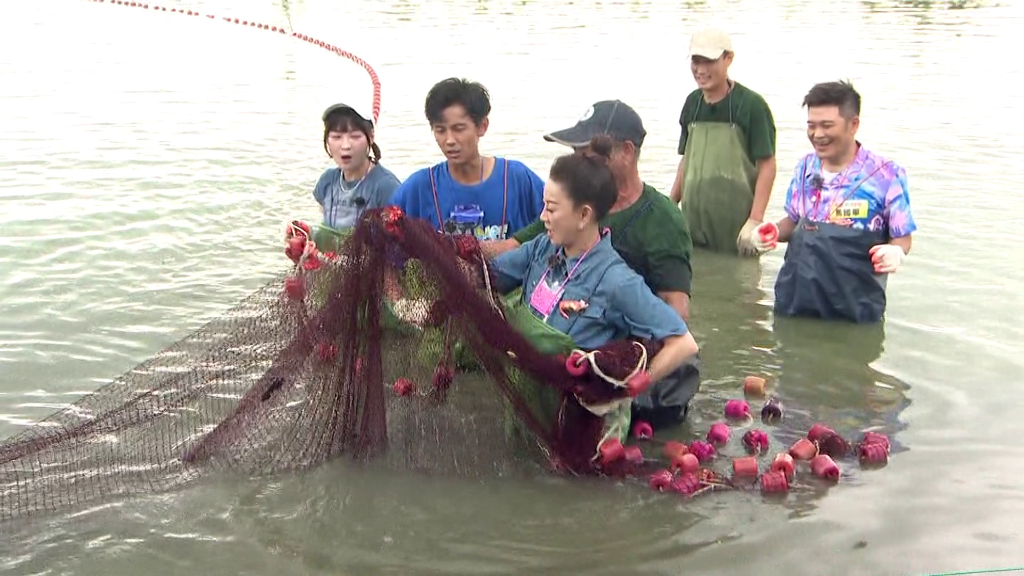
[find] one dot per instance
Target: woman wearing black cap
(359, 182)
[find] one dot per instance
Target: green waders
(718, 184)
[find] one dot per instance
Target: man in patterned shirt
(848, 221)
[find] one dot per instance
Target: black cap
(612, 117)
(344, 107)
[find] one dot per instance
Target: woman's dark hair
(457, 91)
(586, 177)
(347, 120)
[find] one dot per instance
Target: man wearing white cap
(727, 145)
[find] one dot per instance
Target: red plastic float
(685, 464)
(755, 441)
(823, 466)
(803, 449)
(702, 450)
(783, 463)
(404, 387)
(746, 466)
(774, 483)
(718, 434)
(737, 409)
(754, 386)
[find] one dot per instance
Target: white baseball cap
(710, 43)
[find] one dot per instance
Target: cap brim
(709, 53)
(574, 137)
(347, 107)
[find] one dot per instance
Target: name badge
(850, 210)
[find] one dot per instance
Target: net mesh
(313, 366)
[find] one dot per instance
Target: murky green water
(146, 162)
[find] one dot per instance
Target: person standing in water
(727, 143)
(468, 193)
(647, 231)
(358, 183)
(848, 220)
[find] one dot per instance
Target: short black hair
(472, 96)
(839, 93)
(587, 178)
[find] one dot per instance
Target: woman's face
(564, 220)
(349, 149)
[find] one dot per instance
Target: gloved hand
(765, 237)
(887, 258)
(745, 239)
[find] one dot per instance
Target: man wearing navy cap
(647, 230)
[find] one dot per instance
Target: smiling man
(848, 221)
(468, 193)
(727, 144)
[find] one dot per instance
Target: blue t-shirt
(618, 302)
(344, 201)
(479, 209)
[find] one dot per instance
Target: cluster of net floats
(688, 471)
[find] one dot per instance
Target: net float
(774, 483)
(674, 448)
(754, 386)
(611, 451)
(873, 454)
(702, 450)
(634, 455)
(718, 434)
(686, 484)
(737, 409)
(294, 248)
(746, 466)
(819, 431)
(771, 412)
(638, 384)
(875, 438)
(404, 387)
(755, 441)
(685, 464)
(577, 364)
(642, 430)
(783, 463)
(824, 467)
(803, 449)
(834, 445)
(295, 288)
(660, 480)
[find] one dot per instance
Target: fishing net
(396, 349)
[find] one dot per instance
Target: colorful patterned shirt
(872, 193)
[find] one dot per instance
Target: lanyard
(561, 288)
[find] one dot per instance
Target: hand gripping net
(314, 366)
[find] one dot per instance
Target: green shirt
(652, 237)
(748, 110)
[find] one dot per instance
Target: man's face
(458, 136)
(829, 132)
(710, 74)
(621, 161)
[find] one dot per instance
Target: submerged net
(396, 349)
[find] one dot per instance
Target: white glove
(765, 237)
(887, 258)
(745, 239)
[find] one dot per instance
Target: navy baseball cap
(612, 117)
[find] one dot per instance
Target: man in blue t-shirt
(489, 197)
